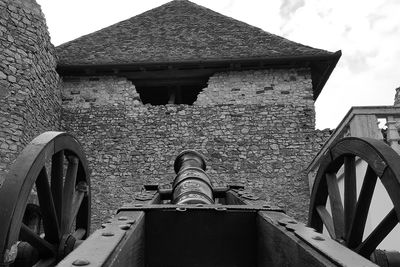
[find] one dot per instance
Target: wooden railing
(379, 122)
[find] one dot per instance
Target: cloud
(288, 7)
(368, 33)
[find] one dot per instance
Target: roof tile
(178, 31)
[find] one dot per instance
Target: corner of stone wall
(397, 97)
(96, 91)
(271, 86)
(29, 93)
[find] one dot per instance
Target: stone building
(176, 77)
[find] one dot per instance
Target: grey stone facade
(254, 127)
(397, 97)
(29, 95)
(84, 92)
(265, 141)
(285, 86)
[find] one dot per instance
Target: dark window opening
(170, 94)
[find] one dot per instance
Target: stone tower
(29, 94)
(183, 76)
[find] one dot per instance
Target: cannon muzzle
(191, 184)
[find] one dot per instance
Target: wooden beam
(170, 82)
(166, 74)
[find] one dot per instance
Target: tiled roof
(179, 31)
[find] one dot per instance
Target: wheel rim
(64, 200)
(346, 222)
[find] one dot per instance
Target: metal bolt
(122, 218)
(266, 206)
(220, 208)
(181, 209)
(125, 226)
(107, 234)
(318, 238)
(73, 159)
(138, 205)
(80, 262)
(82, 187)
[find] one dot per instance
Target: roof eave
(321, 65)
(320, 77)
(207, 61)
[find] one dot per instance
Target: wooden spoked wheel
(347, 219)
(53, 168)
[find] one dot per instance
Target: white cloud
(368, 33)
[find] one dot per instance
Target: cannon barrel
(191, 184)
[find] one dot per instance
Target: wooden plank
(350, 191)
(336, 204)
(378, 234)
(356, 230)
(201, 238)
(278, 246)
(131, 250)
(365, 126)
(327, 220)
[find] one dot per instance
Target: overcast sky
(367, 32)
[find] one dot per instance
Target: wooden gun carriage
(192, 221)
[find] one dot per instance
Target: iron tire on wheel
(63, 195)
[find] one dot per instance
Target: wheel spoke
(76, 204)
(49, 216)
(356, 231)
(336, 204)
(57, 172)
(327, 220)
(68, 194)
(378, 234)
(46, 262)
(79, 233)
(350, 190)
(44, 248)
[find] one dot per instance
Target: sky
(367, 32)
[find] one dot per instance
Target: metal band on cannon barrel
(191, 184)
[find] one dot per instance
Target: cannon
(193, 221)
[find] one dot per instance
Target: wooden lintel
(168, 82)
(167, 74)
(90, 71)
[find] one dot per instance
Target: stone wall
(286, 86)
(98, 91)
(254, 127)
(266, 147)
(397, 97)
(29, 99)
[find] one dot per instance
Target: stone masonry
(397, 97)
(262, 142)
(29, 99)
(254, 127)
(259, 87)
(84, 92)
